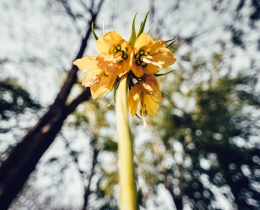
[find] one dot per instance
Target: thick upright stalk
(125, 150)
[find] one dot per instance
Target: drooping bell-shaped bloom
(147, 93)
(115, 53)
(96, 78)
(150, 55)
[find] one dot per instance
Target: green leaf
(133, 33)
(149, 29)
(138, 116)
(172, 41)
(93, 31)
(115, 88)
(158, 75)
(141, 30)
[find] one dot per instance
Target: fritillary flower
(96, 78)
(145, 92)
(115, 53)
(150, 55)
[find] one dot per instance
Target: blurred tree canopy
(215, 144)
(14, 100)
(205, 139)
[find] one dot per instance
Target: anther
(138, 62)
(141, 52)
(124, 50)
(144, 64)
(125, 56)
(137, 56)
(118, 47)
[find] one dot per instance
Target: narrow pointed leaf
(138, 116)
(93, 31)
(149, 29)
(133, 33)
(141, 30)
(174, 39)
(115, 88)
(158, 75)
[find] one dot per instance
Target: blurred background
(201, 150)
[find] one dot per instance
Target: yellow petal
(134, 98)
(116, 38)
(97, 91)
(123, 67)
(157, 97)
(111, 81)
(143, 41)
(109, 40)
(92, 77)
(135, 91)
(157, 45)
(151, 86)
(150, 69)
(106, 83)
(107, 61)
(87, 63)
(148, 82)
(151, 105)
(137, 70)
(164, 55)
(98, 82)
(102, 46)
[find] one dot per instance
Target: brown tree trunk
(22, 160)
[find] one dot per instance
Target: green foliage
(110, 145)
(14, 99)
(214, 136)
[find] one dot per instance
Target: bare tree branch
(71, 15)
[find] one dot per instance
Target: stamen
(124, 50)
(137, 56)
(118, 53)
(141, 52)
(145, 123)
(138, 62)
(118, 47)
(113, 50)
(125, 56)
(144, 64)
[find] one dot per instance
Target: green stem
(125, 150)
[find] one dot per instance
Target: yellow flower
(150, 55)
(147, 93)
(115, 53)
(96, 78)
